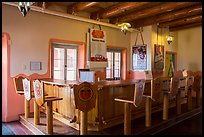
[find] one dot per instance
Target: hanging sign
(158, 57)
(98, 45)
(139, 57)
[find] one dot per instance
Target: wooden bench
(40, 99)
(196, 87)
(138, 94)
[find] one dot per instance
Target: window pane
(71, 64)
(58, 63)
(109, 69)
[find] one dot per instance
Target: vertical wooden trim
(148, 111)
(127, 119)
(178, 102)
(83, 123)
(165, 106)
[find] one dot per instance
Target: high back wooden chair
(138, 93)
(40, 99)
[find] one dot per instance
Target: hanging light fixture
(24, 7)
(124, 27)
(169, 38)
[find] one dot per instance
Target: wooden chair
(18, 84)
(40, 99)
(138, 93)
(166, 83)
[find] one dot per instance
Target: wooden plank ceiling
(175, 15)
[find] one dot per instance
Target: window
(64, 58)
(113, 71)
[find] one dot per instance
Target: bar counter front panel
(106, 113)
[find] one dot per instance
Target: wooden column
(148, 111)
(83, 123)
(27, 108)
(127, 119)
(36, 114)
(49, 118)
(165, 106)
(189, 99)
(178, 102)
(198, 99)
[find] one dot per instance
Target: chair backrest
(196, 83)
(156, 95)
(175, 85)
(18, 84)
(190, 80)
(166, 84)
(182, 82)
(38, 92)
(139, 90)
(85, 96)
(26, 88)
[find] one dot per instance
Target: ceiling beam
(185, 26)
(162, 8)
(191, 19)
(117, 9)
(172, 15)
(79, 6)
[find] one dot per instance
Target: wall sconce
(124, 27)
(169, 38)
(24, 7)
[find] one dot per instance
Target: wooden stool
(85, 100)
(165, 88)
(182, 87)
(40, 99)
(18, 84)
(138, 93)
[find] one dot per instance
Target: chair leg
(36, 114)
(165, 106)
(148, 109)
(178, 102)
(127, 119)
(83, 123)
(189, 100)
(27, 108)
(49, 118)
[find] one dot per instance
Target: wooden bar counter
(106, 113)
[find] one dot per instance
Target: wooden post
(36, 114)
(83, 123)
(49, 118)
(198, 98)
(189, 100)
(178, 102)
(127, 119)
(148, 109)
(165, 106)
(27, 108)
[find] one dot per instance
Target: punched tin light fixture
(24, 7)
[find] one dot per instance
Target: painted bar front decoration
(139, 57)
(98, 45)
